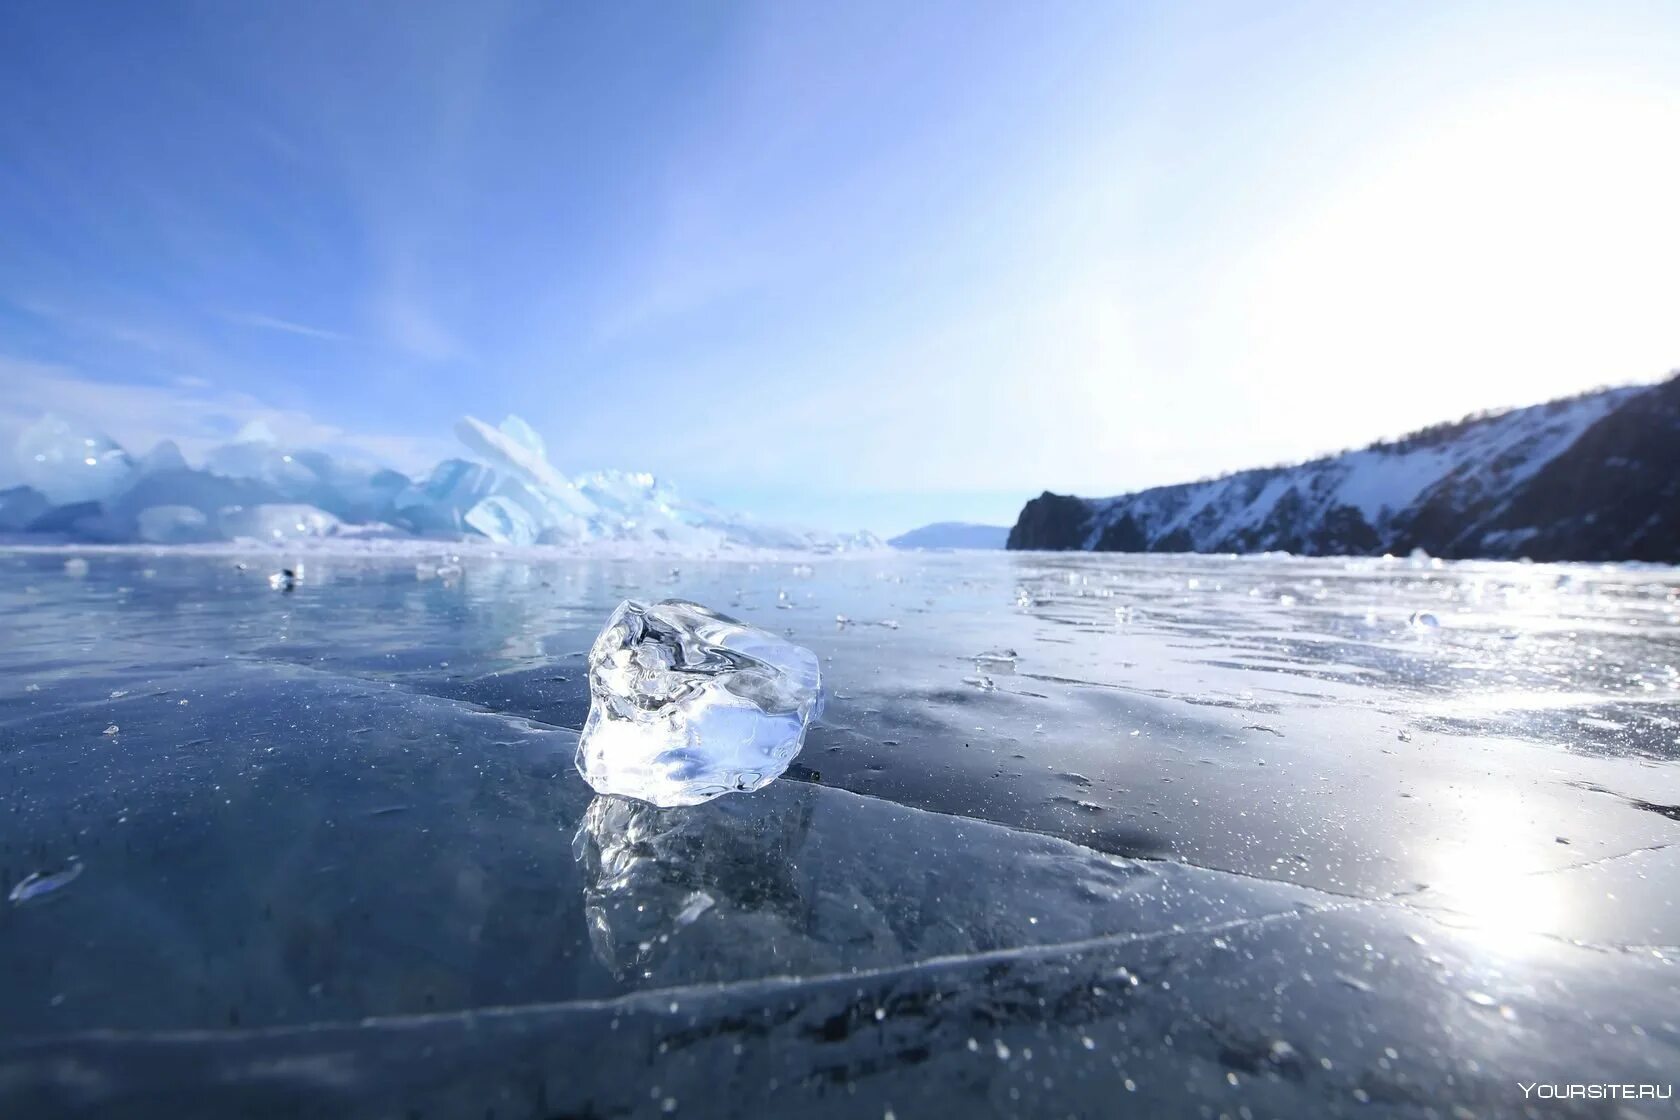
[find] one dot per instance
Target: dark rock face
(1614, 494)
(1124, 535)
(1053, 521)
(1343, 531)
(1594, 477)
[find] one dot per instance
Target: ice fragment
(688, 704)
(504, 521)
(36, 884)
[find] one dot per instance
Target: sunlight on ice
(1492, 883)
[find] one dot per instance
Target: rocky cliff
(1592, 477)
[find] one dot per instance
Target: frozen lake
(1288, 836)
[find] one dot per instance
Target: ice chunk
(504, 521)
(507, 449)
(173, 525)
(623, 494)
(357, 492)
(524, 435)
(861, 541)
(70, 465)
(441, 502)
(687, 704)
(261, 460)
(277, 522)
(166, 456)
(741, 529)
(183, 486)
(634, 505)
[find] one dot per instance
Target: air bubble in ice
(687, 704)
(1423, 620)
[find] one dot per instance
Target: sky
(861, 265)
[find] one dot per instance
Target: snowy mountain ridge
(1591, 477)
(83, 486)
(953, 534)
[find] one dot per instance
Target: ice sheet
(1223, 833)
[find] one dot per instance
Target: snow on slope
(1447, 485)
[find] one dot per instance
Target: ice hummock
(173, 525)
(278, 521)
(687, 704)
(83, 486)
(69, 465)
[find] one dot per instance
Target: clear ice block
(688, 704)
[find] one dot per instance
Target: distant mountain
(953, 534)
(1594, 477)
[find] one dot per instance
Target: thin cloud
(285, 326)
(412, 329)
(119, 330)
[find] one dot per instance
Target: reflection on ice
(651, 873)
(803, 880)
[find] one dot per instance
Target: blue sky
(851, 265)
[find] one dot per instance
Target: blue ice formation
(81, 485)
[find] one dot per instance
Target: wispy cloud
(411, 329)
(117, 329)
(285, 326)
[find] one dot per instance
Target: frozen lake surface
(1077, 835)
